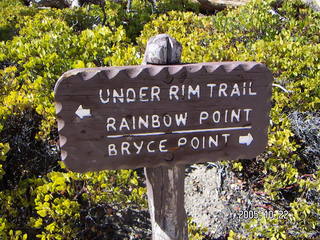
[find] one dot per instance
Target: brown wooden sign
(147, 116)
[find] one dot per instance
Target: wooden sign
(147, 116)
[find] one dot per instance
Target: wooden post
(165, 186)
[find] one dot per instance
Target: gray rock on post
(162, 49)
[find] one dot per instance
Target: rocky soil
(214, 198)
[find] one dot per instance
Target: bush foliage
(40, 200)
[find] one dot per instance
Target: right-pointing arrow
(246, 139)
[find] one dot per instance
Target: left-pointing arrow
(81, 112)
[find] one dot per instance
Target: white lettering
(235, 115)
(124, 124)
(142, 94)
(250, 90)
(195, 143)
(213, 141)
(216, 116)
(203, 116)
(181, 119)
(235, 90)
(144, 122)
(173, 92)
(226, 137)
(211, 86)
(130, 91)
(138, 147)
(183, 87)
(203, 142)
(247, 111)
(125, 148)
(110, 123)
(155, 91)
(193, 91)
(167, 120)
(155, 121)
(226, 116)
(118, 96)
(148, 147)
(182, 141)
(244, 88)
(101, 98)
(133, 122)
(162, 146)
(222, 89)
(112, 150)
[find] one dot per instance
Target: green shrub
(12, 13)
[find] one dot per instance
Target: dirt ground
(216, 199)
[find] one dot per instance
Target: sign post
(165, 185)
(161, 117)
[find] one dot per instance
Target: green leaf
(42, 213)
